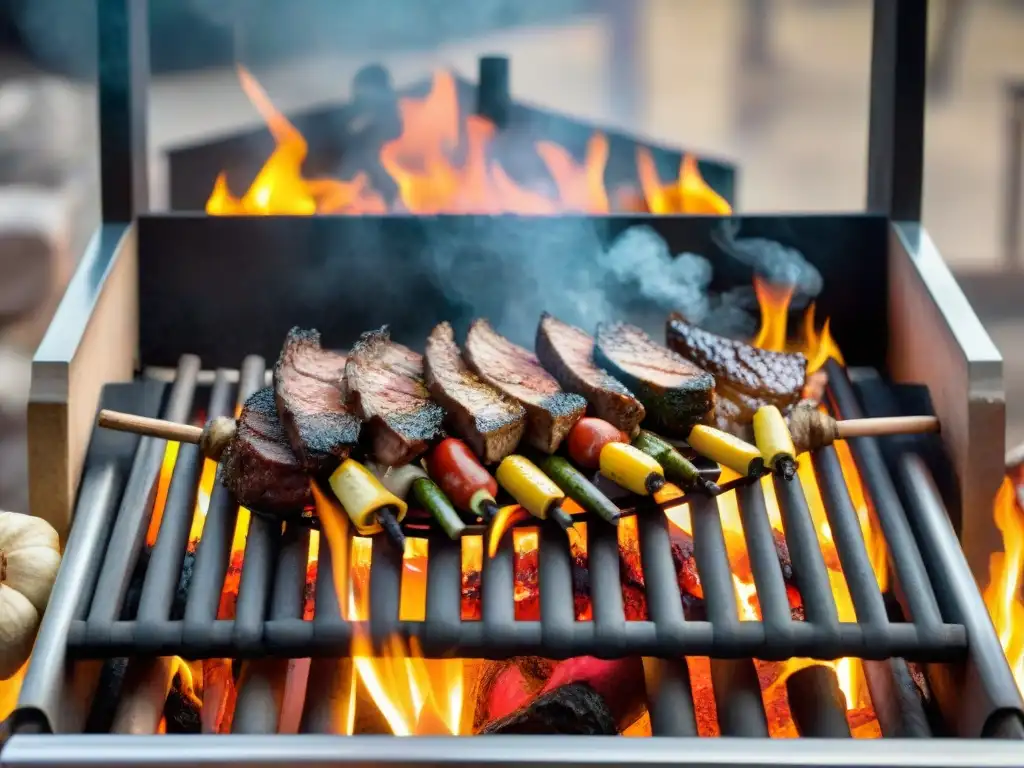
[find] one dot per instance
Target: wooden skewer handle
(143, 425)
(889, 425)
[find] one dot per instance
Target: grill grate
(268, 620)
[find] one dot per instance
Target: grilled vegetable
(369, 505)
(579, 489)
(633, 469)
(411, 480)
(774, 441)
(728, 450)
(429, 496)
(463, 479)
(679, 469)
(532, 489)
(588, 436)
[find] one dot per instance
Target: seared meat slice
(676, 393)
(309, 382)
(491, 423)
(384, 381)
(768, 377)
(550, 412)
(258, 466)
(567, 352)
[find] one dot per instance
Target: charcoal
(108, 693)
(574, 709)
(182, 712)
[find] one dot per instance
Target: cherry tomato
(588, 436)
(456, 469)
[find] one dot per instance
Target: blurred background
(780, 87)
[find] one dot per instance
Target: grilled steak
(259, 467)
(309, 382)
(384, 381)
(516, 372)
(567, 352)
(771, 377)
(676, 393)
(491, 423)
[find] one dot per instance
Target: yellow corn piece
(362, 494)
(631, 468)
(531, 488)
(728, 450)
(771, 433)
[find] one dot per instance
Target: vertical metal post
(123, 45)
(1013, 195)
(899, 46)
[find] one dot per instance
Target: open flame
(441, 163)
(1006, 572)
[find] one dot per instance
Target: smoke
(771, 260)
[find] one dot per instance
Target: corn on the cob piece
(774, 441)
(369, 505)
(631, 468)
(728, 450)
(532, 489)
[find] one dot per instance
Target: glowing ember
(1006, 569)
(441, 163)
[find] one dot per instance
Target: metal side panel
(936, 339)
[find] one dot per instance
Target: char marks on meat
(490, 422)
(309, 382)
(567, 352)
(384, 381)
(516, 372)
(259, 467)
(675, 392)
(745, 376)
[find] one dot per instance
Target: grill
(931, 660)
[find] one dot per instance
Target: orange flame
(774, 300)
(1006, 569)
(689, 194)
(421, 162)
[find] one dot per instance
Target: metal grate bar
(165, 561)
(385, 589)
(849, 540)
(738, 698)
(557, 604)
(254, 585)
(327, 702)
(895, 699)
(664, 602)
(713, 563)
(669, 697)
(444, 593)
(497, 598)
(903, 552)
(808, 563)
(605, 582)
(129, 533)
(262, 684)
(817, 703)
(213, 553)
(764, 560)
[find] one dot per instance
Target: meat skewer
(567, 352)
(812, 429)
(515, 371)
(309, 384)
(385, 383)
(491, 423)
(261, 471)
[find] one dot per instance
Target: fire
(1003, 594)
(441, 163)
(688, 194)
